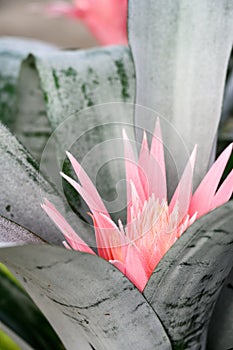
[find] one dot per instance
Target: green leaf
(6, 343)
(180, 49)
(21, 344)
(5, 270)
(20, 314)
(88, 301)
(186, 283)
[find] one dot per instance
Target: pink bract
(153, 225)
(106, 19)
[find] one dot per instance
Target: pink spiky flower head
(153, 224)
(106, 19)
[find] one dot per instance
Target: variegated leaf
(88, 301)
(24, 320)
(74, 80)
(86, 96)
(220, 332)
(185, 285)
(63, 82)
(12, 52)
(23, 188)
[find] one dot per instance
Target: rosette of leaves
(88, 302)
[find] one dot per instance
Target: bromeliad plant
(88, 301)
(152, 225)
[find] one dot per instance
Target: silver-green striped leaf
(90, 304)
(23, 189)
(86, 100)
(12, 52)
(186, 283)
(220, 333)
(74, 80)
(54, 85)
(20, 315)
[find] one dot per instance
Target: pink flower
(153, 225)
(106, 19)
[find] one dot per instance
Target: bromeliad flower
(153, 225)
(106, 19)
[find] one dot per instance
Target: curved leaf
(54, 84)
(75, 80)
(180, 50)
(85, 99)
(20, 314)
(220, 333)
(22, 188)
(59, 83)
(8, 341)
(185, 285)
(87, 300)
(49, 82)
